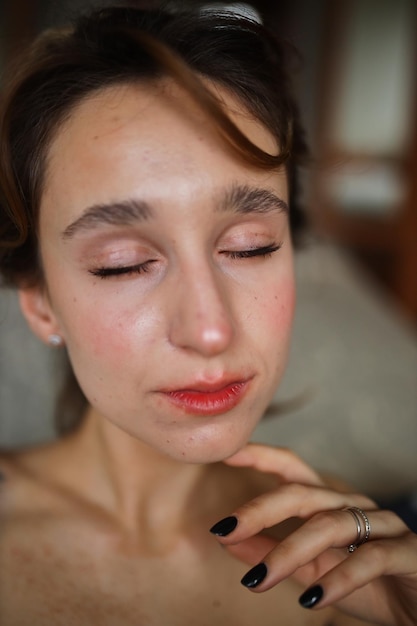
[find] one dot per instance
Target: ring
(363, 530)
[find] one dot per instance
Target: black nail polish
(311, 597)
(224, 527)
(255, 576)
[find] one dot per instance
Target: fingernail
(311, 597)
(255, 576)
(224, 527)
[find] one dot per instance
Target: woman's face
(168, 263)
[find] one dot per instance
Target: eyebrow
(245, 199)
(241, 199)
(114, 213)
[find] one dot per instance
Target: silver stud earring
(55, 341)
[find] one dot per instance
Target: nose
(201, 318)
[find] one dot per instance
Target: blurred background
(349, 401)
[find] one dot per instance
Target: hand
(376, 582)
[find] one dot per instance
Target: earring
(55, 341)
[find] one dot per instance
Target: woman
(148, 163)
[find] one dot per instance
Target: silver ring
(363, 531)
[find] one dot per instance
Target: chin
(207, 449)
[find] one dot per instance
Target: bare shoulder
(28, 480)
(12, 480)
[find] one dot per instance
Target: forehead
(150, 136)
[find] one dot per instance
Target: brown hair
(119, 45)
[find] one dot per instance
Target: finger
(279, 461)
(324, 531)
(385, 524)
(252, 550)
(373, 560)
(287, 501)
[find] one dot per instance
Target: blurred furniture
(364, 191)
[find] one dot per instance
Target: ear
(39, 314)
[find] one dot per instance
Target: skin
(111, 523)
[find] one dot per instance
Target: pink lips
(208, 399)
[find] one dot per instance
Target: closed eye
(264, 251)
(140, 268)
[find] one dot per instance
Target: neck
(144, 489)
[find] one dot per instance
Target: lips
(208, 399)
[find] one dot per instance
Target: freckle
(183, 453)
(217, 604)
(30, 579)
(21, 554)
(168, 441)
(47, 550)
(57, 610)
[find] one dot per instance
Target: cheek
(282, 307)
(276, 310)
(122, 334)
(274, 300)
(104, 329)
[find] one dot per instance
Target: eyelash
(265, 251)
(142, 268)
(104, 272)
